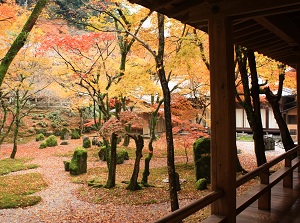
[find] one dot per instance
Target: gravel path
(59, 202)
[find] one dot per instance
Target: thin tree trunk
(139, 142)
(167, 112)
(153, 123)
(17, 124)
(21, 39)
(112, 162)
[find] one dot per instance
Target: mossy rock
(64, 134)
(201, 184)
(124, 153)
(75, 134)
(64, 143)
(78, 164)
(43, 145)
(201, 149)
(86, 142)
(39, 137)
(51, 141)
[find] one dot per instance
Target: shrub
(40, 137)
(75, 134)
(51, 141)
(201, 184)
(43, 145)
(86, 142)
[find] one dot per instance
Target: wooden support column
(222, 88)
(298, 103)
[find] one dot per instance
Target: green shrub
(201, 184)
(40, 137)
(43, 145)
(75, 134)
(86, 142)
(121, 156)
(51, 141)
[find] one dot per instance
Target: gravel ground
(60, 204)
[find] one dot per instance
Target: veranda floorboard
(285, 207)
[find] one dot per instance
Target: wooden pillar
(223, 127)
(298, 103)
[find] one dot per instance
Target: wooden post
(288, 180)
(222, 90)
(298, 104)
(264, 202)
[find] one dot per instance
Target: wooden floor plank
(285, 206)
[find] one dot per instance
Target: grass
(13, 165)
(246, 138)
(14, 190)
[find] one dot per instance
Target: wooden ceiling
(270, 27)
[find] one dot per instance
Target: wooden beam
(241, 8)
(222, 88)
(283, 27)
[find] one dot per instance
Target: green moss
(40, 137)
(201, 184)
(78, 164)
(43, 145)
(51, 141)
(86, 143)
(75, 134)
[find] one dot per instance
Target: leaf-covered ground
(69, 199)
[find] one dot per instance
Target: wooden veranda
(272, 28)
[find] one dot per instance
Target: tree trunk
(146, 172)
(21, 39)
(286, 138)
(17, 124)
(252, 111)
(258, 133)
(167, 112)
(126, 137)
(139, 142)
(112, 162)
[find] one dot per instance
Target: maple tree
(116, 126)
(20, 86)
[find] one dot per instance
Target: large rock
(201, 148)
(78, 164)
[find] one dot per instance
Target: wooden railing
(261, 192)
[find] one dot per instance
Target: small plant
(42, 124)
(40, 137)
(43, 145)
(51, 141)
